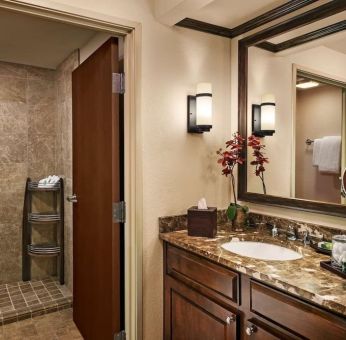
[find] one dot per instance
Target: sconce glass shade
(268, 112)
(204, 102)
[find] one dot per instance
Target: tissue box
(202, 222)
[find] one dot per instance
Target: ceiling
(30, 40)
(337, 42)
(230, 13)
(309, 28)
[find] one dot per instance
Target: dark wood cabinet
(193, 316)
(206, 301)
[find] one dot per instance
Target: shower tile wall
(32, 144)
(64, 148)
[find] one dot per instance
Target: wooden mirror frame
(343, 182)
(300, 20)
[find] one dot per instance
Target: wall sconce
(263, 117)
(199, 109)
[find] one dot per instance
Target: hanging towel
(330, 155)
(316, 152)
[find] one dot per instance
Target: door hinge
(118, 83)
(120, 336)
(119, 212)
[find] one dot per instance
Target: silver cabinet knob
(72, 198)
(250, 330)
(230, 319)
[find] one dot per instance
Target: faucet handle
(306, 237)
(275, 231)
(291, 233)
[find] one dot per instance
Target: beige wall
(318, 114)
(272, 73)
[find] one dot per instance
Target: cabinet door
(190, 315)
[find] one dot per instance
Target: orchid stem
(233, 188)
(263, 184)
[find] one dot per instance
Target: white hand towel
(330, 155)
(316, 152)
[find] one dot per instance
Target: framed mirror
(292, 101)
(343, 184)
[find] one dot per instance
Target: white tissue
(202, 204)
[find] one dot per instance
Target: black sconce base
(191, 117)
(256, 123)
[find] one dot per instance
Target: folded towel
(330, 155)
(48, 181)
(316, 152)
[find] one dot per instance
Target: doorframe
(131, 31)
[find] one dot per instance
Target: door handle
(72, 198)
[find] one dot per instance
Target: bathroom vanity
(210, 293)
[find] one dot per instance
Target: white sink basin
(261, 251)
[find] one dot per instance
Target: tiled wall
(64, 148)
(35, 141)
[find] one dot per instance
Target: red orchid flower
(230, 157)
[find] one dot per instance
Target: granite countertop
(304, 277)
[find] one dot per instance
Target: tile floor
(23, 300)
(53, 326)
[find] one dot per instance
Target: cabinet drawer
(302, 318)
(202, 274)
(256, 329)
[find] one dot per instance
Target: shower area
(37, 58)
(35, 142)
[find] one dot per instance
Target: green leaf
(245, 209)
(231, 212)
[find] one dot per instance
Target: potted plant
(258, 153)
(229, 158)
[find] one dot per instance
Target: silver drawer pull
(250, 330)
(230, 319)
(72, 198)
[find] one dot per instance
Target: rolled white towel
(48, 181)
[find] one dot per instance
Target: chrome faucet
(291, 233)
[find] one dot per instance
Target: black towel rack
(54, 217)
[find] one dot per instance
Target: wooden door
(190, 315)
(97, 183)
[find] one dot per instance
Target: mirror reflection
(297, 109)
(343, 186)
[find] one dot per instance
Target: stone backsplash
(314, 230)
(179, 222)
